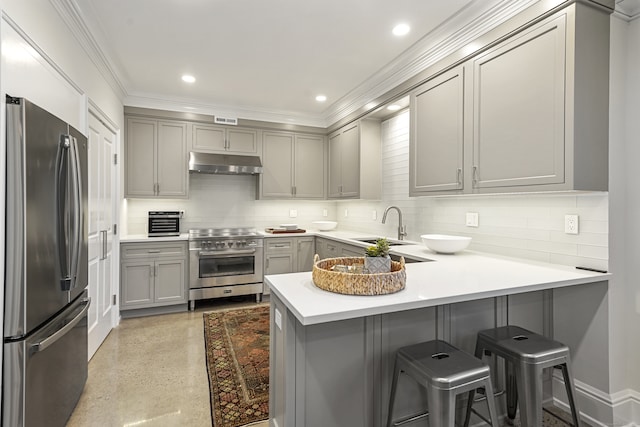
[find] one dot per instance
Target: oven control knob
(244, 243)
(219, 245)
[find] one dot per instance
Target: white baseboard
(621, 409)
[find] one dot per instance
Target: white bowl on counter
(444, 244)
(324, 225)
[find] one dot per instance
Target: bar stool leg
(442, 407)
(491, 403)
(392, 397)
(529, 380)
(571, 392)
(467, 416)
(511, 390)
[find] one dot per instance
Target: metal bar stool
(446, 372)
(526, 355)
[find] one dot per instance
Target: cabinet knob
(475, 176)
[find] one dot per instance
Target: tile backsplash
(528, 226)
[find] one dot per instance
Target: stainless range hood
(225, 164)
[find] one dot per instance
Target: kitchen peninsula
(332, 355)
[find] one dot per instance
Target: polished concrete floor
(151, 371)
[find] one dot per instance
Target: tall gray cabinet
(156, 161)
(528, 113)
(355, 161)
(294, 166)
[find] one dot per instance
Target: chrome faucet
(402, 231)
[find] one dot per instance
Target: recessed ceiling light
(401, 29)
(394, 107)
(321, 98)
(188, 78)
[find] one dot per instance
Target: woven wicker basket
(354, 283)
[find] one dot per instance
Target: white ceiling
(255, 57)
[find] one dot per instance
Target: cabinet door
(305, 252)
(172, 175)
(242, 141)
(141, 157)
(333, 249)
(279, 263)
(436, 149)
(136, 285)
(170, 284)
(277, 163)
(350, 161)
(335, 167)
(519, 123)
(309, 167)
(352, 251)
(208, 139)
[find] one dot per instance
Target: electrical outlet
(346, 213)
(325, 213)
(571, 224)
(293, 213)
(374, 215)
(472, 219)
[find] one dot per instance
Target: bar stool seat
(527, 354)
(445, 372)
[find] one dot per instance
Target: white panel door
(101, 207)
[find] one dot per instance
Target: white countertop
(143, 238)
(449, 279)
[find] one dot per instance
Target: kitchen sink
(392, 242)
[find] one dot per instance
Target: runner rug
(237, 346)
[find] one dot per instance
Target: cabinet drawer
(146, 250)
(279, 245)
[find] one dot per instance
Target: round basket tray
(355, 283)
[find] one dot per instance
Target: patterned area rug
(237, 346)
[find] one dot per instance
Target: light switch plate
(346, 213)
(325, 213)
(293, 213)
(472, 219)
(374, 215)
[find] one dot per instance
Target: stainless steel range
(224, 262)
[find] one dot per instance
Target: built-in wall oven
(224, 262)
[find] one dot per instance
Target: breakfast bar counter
(332, 355)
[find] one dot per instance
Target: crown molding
(464, 27)
(159, 102)
(77, 24)
(628, 9)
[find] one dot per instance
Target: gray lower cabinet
(327, 248)
(528, 114)
(153, 275)
(294, 166)
(339, 373)
(156, 158)
(224, 139)
(288, 255)
(355, 161)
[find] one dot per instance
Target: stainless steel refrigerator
(46, 303)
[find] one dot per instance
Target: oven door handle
(227, 254)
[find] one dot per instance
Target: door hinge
(115, 229)
(115, 159)
(114, 299)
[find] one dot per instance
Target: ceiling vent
(225, 121)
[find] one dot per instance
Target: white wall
(227, 201)
(526, 226)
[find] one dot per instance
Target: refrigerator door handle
(47, 342)
(62, 214)
(77, 211)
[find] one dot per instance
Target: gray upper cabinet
(156, 162)
(293, 166)
(221, 139)
(437, 134)
(529, 113)
(519, 111)
(355, 161)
